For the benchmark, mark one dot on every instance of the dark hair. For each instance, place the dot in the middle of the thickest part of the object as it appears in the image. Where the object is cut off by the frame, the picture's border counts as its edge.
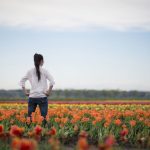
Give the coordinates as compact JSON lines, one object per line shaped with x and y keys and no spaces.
{"x":37,"y":61}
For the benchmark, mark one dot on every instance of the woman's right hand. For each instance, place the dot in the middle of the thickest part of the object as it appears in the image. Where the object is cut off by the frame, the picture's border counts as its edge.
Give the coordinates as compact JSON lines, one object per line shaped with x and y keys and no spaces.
{"x":47,"y":93}
{"x":27,"y":93}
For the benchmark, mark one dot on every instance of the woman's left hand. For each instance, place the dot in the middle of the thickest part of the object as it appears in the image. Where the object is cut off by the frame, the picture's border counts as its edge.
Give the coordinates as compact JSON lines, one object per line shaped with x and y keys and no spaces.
{"x":47,"y":93}
{"x":27,"y":94}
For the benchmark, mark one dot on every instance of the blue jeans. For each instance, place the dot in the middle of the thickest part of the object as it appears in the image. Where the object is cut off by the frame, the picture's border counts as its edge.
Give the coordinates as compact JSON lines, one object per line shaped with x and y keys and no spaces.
{"x":43,"y":105}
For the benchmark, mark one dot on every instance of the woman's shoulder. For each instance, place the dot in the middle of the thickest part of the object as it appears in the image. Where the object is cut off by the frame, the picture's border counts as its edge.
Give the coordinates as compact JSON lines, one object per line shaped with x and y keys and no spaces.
{"x":44,"y":70}
{"x":30,"y":70}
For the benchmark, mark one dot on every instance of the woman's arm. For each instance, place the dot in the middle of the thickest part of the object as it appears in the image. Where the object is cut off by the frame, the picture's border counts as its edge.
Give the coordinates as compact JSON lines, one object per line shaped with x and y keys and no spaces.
{"x":22,"y":83}
{"x":25,"y":91}
{"x":47,"y":93}
{"x":52,"y":82}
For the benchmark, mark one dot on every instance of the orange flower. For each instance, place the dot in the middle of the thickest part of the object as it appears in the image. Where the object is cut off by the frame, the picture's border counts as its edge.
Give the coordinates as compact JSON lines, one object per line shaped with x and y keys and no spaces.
{"x":11,"y":121}
{"x":94,"y":122}
{"x":141,"y":119}
{"x":31,"y":134}
{"x":57,"y":119}
{"x":15,"y":143}
{"x":40,"y":119}
{"x":85,"y":119}
{"x":118,"y":122}
{"x":132,"y":123}
{"x":76,"y":128}
{"x":82,"y":144}
{"x":54,"y":143}
{"x":28,"y":120}
{"x":106,"y":124}
{"x":124,"y":126}
{"x":16,"y":131}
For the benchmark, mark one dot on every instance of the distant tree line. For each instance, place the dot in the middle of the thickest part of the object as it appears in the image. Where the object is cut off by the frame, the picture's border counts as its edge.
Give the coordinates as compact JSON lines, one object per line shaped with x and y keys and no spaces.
{"x":81,"y":94}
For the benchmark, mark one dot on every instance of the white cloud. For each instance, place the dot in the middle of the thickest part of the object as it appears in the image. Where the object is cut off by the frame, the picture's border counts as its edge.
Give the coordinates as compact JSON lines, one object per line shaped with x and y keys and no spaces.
{"x":76,"y":14}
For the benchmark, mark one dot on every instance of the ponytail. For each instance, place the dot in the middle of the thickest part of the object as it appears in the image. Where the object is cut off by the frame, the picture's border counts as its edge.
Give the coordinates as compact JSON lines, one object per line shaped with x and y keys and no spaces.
{"x":37,"y":61}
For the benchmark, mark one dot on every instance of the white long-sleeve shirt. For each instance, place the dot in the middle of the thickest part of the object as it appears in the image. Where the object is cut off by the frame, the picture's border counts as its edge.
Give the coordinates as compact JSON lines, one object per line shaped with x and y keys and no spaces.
{"x":37,"y":87}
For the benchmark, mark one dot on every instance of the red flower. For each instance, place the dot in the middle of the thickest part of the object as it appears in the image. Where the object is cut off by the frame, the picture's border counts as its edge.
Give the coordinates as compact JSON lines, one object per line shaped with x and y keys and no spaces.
{"x":109,"y":140}
{"x":1,"y":129}
{"x":83,"y":134}
{"x":23,"y":144}
{"x":27,"y":144}
{"x":52,"y":131}
{"x":38,"y":130}
{"x":16,"y":131}
{"x":124,"y":132}
{"x":103,"y":147}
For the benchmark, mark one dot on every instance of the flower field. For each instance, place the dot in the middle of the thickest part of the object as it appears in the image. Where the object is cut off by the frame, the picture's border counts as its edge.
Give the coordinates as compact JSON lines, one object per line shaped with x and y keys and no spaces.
{"x":75,"y":126}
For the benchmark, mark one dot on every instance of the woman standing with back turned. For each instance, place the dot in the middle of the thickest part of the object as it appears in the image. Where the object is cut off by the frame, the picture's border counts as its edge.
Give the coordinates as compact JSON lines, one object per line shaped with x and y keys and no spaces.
{"x":39,"y":92}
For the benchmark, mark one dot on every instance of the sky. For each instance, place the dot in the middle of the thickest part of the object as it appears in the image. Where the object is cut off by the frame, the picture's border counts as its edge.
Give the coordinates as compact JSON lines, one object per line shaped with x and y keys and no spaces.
{"x":86,"y":44}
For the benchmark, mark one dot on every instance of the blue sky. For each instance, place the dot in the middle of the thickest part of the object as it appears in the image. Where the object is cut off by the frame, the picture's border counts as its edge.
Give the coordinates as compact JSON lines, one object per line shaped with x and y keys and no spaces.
{"x":78,"y":55}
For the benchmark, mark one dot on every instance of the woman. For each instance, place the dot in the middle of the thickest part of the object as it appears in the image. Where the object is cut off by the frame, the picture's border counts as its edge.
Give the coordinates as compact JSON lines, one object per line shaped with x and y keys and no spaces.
{"x":37,"y":77}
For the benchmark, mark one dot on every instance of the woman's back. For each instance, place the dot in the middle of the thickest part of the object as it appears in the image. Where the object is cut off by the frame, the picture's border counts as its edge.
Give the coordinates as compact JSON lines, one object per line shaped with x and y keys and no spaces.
{"x":38,"y":77}
{"x":38,"y":88}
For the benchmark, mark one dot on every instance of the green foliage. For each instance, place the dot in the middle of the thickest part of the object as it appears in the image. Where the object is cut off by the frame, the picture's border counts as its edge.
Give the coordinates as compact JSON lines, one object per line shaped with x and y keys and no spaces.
{"x":84,"y":94}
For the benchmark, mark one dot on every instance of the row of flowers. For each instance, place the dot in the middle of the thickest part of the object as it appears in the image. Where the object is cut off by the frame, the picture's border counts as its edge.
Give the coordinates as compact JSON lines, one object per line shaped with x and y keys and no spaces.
{"x":100,"y":125}
{"x":19,"y":142}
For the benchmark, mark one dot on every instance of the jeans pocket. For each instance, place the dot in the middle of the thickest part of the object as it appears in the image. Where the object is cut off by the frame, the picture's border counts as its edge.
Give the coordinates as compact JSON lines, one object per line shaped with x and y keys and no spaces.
{"x":44,"y":100}
{"x":30,"y":101}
